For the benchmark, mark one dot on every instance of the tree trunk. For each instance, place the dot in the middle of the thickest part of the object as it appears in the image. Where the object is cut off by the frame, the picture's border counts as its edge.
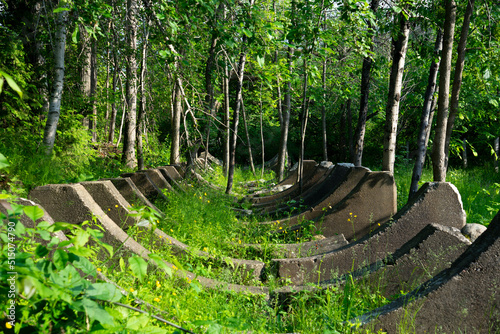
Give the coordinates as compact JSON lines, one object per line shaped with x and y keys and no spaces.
{"x":128,"y":158}
{"x":49,"y":134}
{"x":303,"y":128}
{"x":282,"y":154}
{"x":175,"y":126}
{"x":236,"y":117}
{"x":497,"y":151}
{"x":86,"y":75}
{"x":249,"y":144}
{"x":227,"y":117}
{"x":323,"y":114}
{"x":464,"y":153}
{"x":93,"y":90}
{"x":457,"y":79}
{"x":262,"y":134}
{"x":438,"y":149}
{"x":395,"y":85}
{"x":112,"y":122}
{"x":142,"y":104}
{"x":350,"y":138}
{"x":365,"y":92}
{"x":425,"y":119}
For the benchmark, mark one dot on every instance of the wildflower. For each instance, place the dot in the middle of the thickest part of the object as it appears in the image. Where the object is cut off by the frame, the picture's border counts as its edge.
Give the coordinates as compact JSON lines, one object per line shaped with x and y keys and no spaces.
{"x":158,"y":284}
{"x":200,"y":197}
{"x":205,"y":194}
{"x":175,"y":267}
{"x":109,"y":209}
{"x":378,"y":224}
{"x":350,"y":213}
{"x":8,"y":325}
{"x":174,"y":293}
{"x":116,"y":205}
{"x":239,"y":241}
{"x":348,"y":220}
{"x":99,"y":269}
{"x":161,"y":237}
{"x":171,"y":230}
{"x":132,"y":290}
{"x":208,"y":201}
{"x":281,"y":228}
{"x":205,"y":249}
{"x":156,"y":299}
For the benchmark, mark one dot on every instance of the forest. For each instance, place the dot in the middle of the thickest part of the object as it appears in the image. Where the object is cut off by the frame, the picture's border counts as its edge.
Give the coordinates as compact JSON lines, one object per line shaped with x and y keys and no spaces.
{"x":91,"y":89}
{"x":142,"y":83}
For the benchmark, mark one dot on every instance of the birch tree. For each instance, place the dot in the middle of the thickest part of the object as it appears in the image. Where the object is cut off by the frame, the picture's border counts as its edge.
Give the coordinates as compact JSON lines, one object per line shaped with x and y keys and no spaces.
{"x":49,"y":134}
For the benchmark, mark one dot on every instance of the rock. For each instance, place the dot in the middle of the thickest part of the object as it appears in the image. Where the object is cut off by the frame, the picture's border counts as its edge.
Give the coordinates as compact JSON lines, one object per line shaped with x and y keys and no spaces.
{"x":473,"y":231}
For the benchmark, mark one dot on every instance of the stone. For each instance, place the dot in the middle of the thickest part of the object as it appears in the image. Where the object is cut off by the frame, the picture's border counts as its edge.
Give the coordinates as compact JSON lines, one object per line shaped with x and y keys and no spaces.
{"x":473,"y":231}
{"x":465,"y":298}
{"x":435,"y":202}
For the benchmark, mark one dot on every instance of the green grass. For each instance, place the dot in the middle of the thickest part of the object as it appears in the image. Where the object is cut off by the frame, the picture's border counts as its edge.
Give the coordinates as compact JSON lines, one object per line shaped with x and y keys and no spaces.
{"x":478,"y":187}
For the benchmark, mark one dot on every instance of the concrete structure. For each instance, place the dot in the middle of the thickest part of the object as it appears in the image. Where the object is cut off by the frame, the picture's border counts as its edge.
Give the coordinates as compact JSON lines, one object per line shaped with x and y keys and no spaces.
{"x":434,"y":203}
{"x":464,"y":298}
{"x":145,"y":185}
{"x":126,"y":187}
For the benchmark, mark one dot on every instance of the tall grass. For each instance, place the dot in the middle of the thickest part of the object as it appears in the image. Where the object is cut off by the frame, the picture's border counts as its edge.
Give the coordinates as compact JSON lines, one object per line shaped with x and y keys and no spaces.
{"x":479,"y":188}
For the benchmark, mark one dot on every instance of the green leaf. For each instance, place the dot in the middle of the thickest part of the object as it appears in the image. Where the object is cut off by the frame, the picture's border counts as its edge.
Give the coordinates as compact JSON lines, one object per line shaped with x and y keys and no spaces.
{"x":60,"y":9}
{"x":3,"y":160}
{"x":82,"y":263}
{"x":41,"y":251}
{"x":104,"y":291}
{"x":95,"y":312}
{"x":139,"y":267}
{"x":11,"y":83}
{"x":81,"y":238}
{"x":138,"y":322}
{"x":60,"y":259}
{"x":74,"y":36}
{"x":261,"y":61}
{"x":159,"y":261}
{"x":33,"y":212}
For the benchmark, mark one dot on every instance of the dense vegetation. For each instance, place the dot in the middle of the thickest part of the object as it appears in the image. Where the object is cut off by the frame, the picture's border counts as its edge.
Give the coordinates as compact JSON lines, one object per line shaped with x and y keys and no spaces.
{"x":90,"y":89}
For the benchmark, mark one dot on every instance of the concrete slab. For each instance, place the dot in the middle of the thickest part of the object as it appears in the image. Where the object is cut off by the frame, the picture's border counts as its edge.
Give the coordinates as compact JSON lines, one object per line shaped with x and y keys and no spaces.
{"x":111,"y":202}
{"x":132,"y":194}
{"x":293,"y":251}
{"x":372,"y":202}
{"x":310,"y":167}
{"x":73,"y":204}
{"x":172,"y":172}
{"x":5,"y":207}
{"x":157,"y":177}
{"x":167,"y":175}
{"x":338,"y":186}
{"x":145,"y":185}
{"x":434,"y":203}
{"x":430,"y":251}
{"x":464,"y":298}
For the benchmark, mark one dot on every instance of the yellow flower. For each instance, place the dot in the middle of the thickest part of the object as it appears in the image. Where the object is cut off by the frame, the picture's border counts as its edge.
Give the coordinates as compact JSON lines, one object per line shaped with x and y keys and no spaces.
{"x":99,"y":269}
{"x":208,"y":201}
{"x":205,"y":194}
{"x":156,"y":299}
{"x":8,"y":325}
{"x":175,"y":267}
{"x":174,"y":293}
{"x":378,"y":224}
{"x":239,"y":241}
{"x":350,"y":213}
{"x":116,"y":205}
{"x":281,"y":228}
{"x":109,"y":209}
{"x":348,"y":220}
{"x":171,"y":230}
{"x":158,"y":284}
{"x":200,"y":197}
{"x":161,"y":237}
{"x":355,"y":216}
{"x":205,"y":249}
{"x":131,"y":289}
